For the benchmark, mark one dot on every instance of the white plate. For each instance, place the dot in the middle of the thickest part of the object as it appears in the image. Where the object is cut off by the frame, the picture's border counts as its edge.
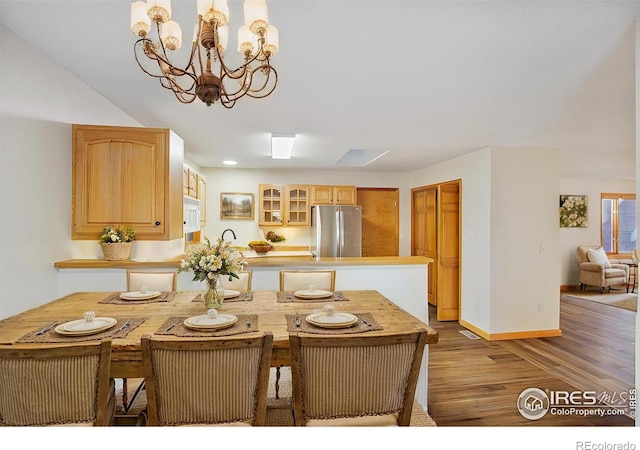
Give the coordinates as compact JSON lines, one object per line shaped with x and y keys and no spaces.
{"x":335,"y":320}
{"x":318,"y":293}
{"x":136,"y":295}
{"x":82,"y":327}
{"x":231,"y":294}
{"x":205,"y":322}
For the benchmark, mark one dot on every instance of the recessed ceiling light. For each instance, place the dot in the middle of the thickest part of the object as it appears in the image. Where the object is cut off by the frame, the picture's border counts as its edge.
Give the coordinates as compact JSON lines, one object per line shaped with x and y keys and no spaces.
{"x":229,"y":162}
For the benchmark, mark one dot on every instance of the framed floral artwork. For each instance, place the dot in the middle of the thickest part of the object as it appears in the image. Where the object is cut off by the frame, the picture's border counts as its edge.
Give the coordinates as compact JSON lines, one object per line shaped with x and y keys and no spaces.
{"x":573,"y":211}
{"x":235,"y":205}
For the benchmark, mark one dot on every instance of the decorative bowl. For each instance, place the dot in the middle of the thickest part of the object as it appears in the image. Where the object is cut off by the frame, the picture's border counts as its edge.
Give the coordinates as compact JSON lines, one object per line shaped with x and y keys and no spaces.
{"x":261,"y":248}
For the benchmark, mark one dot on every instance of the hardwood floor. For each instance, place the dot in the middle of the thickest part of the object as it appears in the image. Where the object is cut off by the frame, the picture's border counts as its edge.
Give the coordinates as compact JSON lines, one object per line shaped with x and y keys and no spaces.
{"x":477,"y":382}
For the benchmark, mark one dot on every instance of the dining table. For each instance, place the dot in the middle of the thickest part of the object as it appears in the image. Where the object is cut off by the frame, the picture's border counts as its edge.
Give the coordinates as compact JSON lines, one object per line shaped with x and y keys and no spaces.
{"x":256,"y":312}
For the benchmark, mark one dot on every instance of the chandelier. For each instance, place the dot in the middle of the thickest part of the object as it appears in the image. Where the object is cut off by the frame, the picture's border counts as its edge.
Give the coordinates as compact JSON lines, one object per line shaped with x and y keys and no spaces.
{"x":257,"y":43}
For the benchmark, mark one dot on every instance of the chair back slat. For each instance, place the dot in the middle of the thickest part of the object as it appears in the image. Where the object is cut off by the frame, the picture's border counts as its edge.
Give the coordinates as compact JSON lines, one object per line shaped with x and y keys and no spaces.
{"x":206,"y":381}
{"x":66,"y":386}
{"x":345,"y":377}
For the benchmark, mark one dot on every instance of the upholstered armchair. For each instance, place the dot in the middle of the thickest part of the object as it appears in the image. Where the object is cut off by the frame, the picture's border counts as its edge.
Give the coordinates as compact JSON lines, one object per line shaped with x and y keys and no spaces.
{"x":597,"y":270}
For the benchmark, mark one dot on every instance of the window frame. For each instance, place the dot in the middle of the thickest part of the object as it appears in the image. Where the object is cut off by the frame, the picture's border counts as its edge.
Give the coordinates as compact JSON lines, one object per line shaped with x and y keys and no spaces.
{"x":615,"y":196}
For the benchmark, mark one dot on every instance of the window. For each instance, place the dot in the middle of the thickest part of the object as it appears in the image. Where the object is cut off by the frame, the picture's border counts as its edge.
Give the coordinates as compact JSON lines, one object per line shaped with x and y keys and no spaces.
{"x":618,"y":224}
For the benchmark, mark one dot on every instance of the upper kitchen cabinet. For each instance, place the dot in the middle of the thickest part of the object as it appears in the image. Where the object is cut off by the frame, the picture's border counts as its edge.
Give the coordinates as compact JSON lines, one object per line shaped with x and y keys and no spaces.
{"x":284,"y":205}
{"x":201,"y":193}
{"x":194,"y":185}
{"x":189,"y":182}
{"x":126,"y":176}
{"x":333,"y":195}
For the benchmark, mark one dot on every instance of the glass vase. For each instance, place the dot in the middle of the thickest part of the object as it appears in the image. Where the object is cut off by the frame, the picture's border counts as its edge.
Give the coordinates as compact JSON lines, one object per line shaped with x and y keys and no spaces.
{"x":214,"y":296}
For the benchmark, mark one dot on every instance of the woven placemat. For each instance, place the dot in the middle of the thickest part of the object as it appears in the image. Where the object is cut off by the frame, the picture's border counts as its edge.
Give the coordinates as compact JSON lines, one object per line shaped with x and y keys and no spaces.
{"x":174,"y":326}
{"x":243,"y":297}
{"x":115,"y":299}
{"x":288,"y":297}
{"x":120,"y":330}
{"x":366,"y":322}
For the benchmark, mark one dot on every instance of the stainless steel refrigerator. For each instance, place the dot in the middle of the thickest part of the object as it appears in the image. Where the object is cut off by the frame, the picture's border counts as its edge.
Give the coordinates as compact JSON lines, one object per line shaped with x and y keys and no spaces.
{"x":336,"y":231}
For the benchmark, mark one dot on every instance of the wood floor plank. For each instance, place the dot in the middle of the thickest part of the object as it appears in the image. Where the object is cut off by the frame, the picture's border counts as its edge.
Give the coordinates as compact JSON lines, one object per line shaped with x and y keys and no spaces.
{"x":477,"y":382}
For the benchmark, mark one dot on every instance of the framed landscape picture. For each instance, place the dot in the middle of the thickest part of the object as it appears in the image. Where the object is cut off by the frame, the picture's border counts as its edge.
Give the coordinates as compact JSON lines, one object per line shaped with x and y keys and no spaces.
{"x":573,"y":211}
{"x":235,"y":205}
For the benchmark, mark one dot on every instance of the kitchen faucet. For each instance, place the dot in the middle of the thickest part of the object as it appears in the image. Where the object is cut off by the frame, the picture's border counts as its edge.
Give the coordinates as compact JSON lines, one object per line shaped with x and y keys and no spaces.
{"x":228,"y":229}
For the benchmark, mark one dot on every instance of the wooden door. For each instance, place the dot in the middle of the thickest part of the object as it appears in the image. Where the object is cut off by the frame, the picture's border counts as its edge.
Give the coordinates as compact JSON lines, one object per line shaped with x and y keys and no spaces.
{"x":448,"y":268}
{"x":424,"y":233}
{"x":435,"y":233}
{"x":380,"y":221}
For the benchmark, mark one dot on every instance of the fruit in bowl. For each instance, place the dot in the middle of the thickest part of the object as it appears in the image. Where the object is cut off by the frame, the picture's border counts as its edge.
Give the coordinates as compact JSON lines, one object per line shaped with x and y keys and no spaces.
{"x":260,"y":246}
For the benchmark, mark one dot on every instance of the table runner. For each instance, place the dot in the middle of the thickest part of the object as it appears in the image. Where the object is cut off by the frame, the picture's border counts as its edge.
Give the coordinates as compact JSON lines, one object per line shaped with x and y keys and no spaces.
{"x":297,"y":323}
{"x":243,"y":297}
{"x":174,"y":326}
{"x":120,"y":330}
{"x":114,"y":298}
{"x":289,"y":297}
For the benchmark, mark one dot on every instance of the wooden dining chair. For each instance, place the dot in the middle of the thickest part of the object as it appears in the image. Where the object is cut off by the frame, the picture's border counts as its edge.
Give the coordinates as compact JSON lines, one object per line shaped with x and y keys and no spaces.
{"x":154,"y":281}
{"x":295,"y":280}
{"x":207,"y":381}
{"x":57,"y":385}
{"x":349,"y":380}
{"x":241,"y":284}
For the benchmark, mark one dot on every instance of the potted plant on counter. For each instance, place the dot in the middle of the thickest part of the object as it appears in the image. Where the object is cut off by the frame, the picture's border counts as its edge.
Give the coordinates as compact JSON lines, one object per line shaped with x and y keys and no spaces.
{"x":274,"y":237}
{"x":116,"y":242}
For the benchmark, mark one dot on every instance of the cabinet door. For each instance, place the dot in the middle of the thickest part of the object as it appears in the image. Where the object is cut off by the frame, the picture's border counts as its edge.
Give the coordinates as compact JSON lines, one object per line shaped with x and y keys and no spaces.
{"x":344,"y":195}
{"x":298,"y":205}
{"x":321,"y":195}
{"x":121,"y":176}
{"x":201,"y":193}
{"x":271,"y":204}
{"x":185,"y":180}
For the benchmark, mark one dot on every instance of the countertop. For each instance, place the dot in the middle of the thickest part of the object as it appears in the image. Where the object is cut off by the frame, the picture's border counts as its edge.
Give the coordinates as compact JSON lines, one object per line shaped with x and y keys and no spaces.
{"x":274,"y":258}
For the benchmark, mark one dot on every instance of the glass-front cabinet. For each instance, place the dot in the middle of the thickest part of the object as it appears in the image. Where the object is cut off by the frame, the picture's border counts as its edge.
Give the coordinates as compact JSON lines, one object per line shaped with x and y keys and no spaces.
{"x":284,"y":205}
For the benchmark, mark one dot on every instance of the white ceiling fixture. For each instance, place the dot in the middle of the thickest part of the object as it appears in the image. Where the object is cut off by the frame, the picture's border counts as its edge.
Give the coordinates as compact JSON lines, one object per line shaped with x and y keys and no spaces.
{"x":282,"y":145}
{"x":257,"y":43}
{"x":229,"y":162}
{"x":359,"y":157}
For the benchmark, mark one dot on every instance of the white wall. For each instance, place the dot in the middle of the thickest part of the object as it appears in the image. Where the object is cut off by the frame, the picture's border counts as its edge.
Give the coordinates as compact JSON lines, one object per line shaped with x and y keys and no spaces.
{"x":35,"y":174}
{"x":571,"y":238}
{"x":524,"y":240}
{"x":509,"y":208}
{"x":247,"y":181}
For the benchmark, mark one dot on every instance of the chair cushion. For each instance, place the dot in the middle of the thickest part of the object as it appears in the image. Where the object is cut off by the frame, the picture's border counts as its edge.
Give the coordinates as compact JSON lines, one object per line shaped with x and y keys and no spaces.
{"x":614,"y":273}
{"x":386,"y":420}
{"x":598,"y":256}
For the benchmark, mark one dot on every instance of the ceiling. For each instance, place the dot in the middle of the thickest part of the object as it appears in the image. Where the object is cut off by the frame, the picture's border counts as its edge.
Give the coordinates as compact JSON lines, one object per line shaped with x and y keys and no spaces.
{"x":425,"y":81}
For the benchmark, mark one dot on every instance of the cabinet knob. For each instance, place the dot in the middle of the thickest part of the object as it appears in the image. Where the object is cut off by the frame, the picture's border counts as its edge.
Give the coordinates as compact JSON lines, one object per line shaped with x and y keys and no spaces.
{"x":157,"y":223}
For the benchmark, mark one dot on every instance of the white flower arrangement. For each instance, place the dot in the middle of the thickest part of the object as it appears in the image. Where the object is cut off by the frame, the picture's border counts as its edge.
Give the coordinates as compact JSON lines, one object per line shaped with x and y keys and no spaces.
{"x":207,"y":261}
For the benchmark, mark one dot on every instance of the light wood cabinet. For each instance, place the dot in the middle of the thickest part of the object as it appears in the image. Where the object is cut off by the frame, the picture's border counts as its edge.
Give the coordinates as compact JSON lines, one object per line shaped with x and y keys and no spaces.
{"x":189,"y":182}
{"x":284,"y":205}
{"x":333,"y":195}
{"x":201,"y":194}
{"x":126,"y":176}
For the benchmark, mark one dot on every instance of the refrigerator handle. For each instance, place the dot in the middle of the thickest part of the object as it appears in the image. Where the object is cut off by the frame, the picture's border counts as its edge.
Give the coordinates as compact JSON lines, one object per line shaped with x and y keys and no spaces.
{"x":338,"y":236}
{"x":341,"y":232}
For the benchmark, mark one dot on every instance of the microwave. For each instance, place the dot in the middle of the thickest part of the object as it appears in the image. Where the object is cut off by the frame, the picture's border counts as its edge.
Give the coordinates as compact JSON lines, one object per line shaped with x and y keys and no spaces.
{"x":191,"y":215}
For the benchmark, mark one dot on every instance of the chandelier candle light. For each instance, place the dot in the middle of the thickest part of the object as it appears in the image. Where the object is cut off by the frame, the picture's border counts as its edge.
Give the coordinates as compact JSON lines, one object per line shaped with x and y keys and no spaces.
{"x":257,"y":43}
